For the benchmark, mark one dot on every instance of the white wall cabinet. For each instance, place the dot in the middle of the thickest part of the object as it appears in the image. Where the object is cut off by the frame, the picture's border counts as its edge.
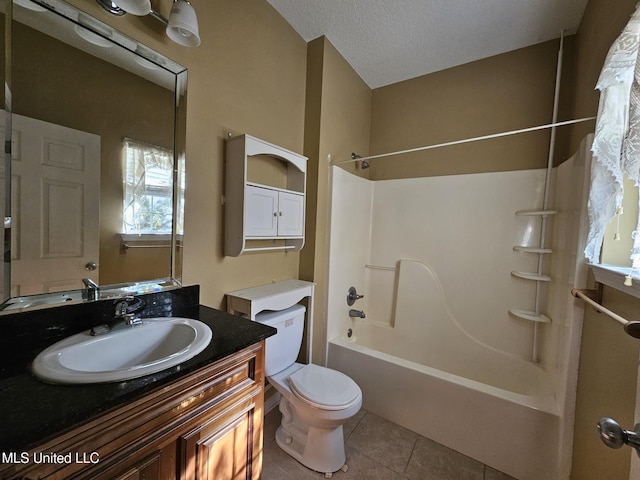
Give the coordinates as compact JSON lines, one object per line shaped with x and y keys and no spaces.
{"x":259,"y":212}
{"x":273,"y":213}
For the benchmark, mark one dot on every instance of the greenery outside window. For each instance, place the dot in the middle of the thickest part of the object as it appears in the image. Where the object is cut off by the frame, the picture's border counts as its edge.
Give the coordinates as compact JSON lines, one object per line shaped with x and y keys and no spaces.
{"x":148,"y":188}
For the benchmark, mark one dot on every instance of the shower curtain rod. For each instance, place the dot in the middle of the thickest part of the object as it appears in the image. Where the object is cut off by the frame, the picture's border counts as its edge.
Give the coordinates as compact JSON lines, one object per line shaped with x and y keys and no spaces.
{"x":468,"y":140}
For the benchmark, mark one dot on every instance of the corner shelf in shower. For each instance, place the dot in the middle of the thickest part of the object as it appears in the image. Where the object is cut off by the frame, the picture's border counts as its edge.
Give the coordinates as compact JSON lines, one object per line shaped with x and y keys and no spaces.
{"x":530,"y":316}
{"x":539,"y":251}
{"x":536,"y":213}
{"x":532,"y":276}
{"x":538,"y":277}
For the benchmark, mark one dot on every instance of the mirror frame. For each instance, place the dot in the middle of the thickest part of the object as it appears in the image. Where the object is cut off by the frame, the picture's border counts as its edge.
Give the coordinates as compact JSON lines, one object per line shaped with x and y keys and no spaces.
{"x":68,"y":12}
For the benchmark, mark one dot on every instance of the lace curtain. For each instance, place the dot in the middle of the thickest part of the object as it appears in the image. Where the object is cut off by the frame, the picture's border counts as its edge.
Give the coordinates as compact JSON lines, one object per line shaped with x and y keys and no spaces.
{"x":616,"y":144}
{"x":148,"y":188}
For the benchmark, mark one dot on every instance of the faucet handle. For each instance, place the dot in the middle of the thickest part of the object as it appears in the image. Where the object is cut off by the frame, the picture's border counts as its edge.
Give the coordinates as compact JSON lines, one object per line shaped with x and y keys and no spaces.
{"x":352,"y":296}
{"x":128,"y":305}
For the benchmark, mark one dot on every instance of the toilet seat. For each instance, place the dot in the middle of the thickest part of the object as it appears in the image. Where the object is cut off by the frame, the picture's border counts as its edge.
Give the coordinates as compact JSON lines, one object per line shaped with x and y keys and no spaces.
{"x":324,"y":388}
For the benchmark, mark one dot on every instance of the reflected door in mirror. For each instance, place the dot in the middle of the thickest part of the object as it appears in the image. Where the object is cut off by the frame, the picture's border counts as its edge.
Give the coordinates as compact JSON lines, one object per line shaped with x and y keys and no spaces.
{"x":55,"y":192}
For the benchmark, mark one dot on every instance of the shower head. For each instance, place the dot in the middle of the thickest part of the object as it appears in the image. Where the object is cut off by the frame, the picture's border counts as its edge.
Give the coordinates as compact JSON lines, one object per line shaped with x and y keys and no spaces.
{"x":363,"y":163}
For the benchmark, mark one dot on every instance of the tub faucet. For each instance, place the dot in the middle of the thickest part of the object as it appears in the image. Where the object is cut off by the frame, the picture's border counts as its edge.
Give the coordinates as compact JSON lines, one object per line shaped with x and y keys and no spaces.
{"x":356,"y":313}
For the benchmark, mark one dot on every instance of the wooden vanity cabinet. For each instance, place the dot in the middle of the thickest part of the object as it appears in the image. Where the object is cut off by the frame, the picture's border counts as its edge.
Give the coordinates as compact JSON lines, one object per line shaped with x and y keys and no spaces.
{"x":206,"y":425}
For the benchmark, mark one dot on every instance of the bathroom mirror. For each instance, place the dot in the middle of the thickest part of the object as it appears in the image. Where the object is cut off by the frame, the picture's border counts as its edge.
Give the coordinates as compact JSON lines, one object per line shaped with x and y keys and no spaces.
{"x":93,"y":184}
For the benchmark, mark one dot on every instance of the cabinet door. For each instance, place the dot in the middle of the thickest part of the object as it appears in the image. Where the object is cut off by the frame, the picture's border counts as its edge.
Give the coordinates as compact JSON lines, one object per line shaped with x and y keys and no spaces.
{"x":226,"y":448}
{"x":290,"y":215}
{"x":147,"y":470}
{"x":261,"y":212}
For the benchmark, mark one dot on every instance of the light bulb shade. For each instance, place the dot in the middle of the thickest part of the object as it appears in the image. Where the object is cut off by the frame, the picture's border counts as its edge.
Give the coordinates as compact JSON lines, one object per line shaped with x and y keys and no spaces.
{"x":183,"y":24}
{"x":134,"y":7}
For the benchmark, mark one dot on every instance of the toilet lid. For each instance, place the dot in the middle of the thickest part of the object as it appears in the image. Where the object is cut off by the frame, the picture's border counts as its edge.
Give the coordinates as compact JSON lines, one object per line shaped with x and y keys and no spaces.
{"x":323,"y":387}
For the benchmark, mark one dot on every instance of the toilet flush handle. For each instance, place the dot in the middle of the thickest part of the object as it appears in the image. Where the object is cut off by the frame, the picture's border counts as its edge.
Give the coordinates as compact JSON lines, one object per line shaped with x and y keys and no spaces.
{"x":352,"y":296}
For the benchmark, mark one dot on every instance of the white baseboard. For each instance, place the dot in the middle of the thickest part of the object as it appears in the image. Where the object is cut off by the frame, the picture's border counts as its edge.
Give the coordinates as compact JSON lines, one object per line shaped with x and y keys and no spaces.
{"x":272,"y":398}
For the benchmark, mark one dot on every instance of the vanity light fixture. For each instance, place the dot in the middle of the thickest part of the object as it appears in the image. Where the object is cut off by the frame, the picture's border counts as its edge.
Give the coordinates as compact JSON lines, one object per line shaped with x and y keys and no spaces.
{"x":182,"y":24}
{"x":134,"y":7}
{"x":111,"y":7}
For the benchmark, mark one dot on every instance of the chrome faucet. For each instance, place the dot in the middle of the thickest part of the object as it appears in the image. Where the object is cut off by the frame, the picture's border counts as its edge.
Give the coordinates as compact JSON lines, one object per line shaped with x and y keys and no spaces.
{"x":126,"y":310}
{"x":91,"y":289}
{"x":356,"y":313}
{"x":124,"y":317}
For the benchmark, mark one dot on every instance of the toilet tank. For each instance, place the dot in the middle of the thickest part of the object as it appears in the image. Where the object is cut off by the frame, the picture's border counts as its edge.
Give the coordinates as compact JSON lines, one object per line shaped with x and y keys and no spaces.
{"x":282,"y":348}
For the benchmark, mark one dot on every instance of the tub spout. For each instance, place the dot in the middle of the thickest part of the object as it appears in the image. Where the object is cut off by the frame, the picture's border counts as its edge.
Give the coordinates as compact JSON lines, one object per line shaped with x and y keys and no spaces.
{"x":356,"y":313}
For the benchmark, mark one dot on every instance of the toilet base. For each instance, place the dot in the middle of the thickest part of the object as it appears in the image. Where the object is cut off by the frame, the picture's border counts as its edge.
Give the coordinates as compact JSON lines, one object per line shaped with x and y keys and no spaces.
{"x":320,"y":449}
{"x":321,"y":452}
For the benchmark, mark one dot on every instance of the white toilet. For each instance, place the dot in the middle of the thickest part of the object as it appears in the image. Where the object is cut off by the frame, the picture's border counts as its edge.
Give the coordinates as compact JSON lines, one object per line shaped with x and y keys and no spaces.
{"x":315,"y":402}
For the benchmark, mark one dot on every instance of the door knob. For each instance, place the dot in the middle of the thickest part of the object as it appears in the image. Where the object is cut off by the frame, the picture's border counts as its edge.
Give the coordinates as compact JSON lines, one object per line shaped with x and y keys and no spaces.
{"x":614,"y":436}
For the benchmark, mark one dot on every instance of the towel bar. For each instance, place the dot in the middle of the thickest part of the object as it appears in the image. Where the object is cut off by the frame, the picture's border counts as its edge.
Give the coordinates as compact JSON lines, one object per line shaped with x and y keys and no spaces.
{"x":594,"y":297}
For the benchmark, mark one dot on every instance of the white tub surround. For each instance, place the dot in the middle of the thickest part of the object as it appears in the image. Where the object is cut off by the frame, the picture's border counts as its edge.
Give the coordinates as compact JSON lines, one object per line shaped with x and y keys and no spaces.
{"x":438,"y":351}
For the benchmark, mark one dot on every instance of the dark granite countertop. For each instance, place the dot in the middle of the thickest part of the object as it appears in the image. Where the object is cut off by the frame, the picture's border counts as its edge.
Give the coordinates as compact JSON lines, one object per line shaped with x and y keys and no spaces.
{"x":33,"y":411}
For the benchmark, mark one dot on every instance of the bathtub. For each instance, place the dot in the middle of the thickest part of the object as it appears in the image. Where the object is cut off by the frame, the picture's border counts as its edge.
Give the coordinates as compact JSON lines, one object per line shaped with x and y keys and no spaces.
{"x":438,"y":353}
{"x":422,"y":369}
{"x":513,"y":429}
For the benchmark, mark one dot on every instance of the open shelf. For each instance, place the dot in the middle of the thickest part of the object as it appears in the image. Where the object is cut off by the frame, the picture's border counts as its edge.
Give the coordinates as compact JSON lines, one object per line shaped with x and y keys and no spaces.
{"x":539,"y":251}
{"x":532,"y":276}
{"x":536,"y":213}
{"x":530,"y":316}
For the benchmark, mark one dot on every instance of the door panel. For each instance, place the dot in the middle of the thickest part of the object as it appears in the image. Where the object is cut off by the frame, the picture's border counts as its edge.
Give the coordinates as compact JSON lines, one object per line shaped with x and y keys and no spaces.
{"x":56,"y":185}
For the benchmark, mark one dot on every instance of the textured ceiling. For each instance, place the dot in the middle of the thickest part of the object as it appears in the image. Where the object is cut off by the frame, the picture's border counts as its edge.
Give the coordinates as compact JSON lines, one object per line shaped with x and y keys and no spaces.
{"x":387,"y":41}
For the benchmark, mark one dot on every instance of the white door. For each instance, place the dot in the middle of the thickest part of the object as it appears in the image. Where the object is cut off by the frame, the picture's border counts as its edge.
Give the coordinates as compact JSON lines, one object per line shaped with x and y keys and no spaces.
{"x":55,"y":206}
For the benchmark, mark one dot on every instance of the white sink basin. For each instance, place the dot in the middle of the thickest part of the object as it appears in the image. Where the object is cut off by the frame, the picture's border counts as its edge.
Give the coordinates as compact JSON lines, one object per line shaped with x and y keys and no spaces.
{"x":157,"y":344}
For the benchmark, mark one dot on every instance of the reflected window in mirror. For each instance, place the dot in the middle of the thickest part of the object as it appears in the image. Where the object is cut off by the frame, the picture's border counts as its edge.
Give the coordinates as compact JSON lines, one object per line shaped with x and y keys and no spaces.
{"x":148,"y":188}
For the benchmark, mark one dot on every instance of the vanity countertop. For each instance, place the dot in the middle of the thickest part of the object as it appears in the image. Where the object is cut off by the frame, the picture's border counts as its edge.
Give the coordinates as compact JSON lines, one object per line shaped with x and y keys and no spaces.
{"x":33,"y":411}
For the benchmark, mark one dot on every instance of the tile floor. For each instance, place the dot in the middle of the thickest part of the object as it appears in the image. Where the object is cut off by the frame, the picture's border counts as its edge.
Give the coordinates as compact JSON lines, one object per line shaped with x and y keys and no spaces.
{"x":378,"y":450}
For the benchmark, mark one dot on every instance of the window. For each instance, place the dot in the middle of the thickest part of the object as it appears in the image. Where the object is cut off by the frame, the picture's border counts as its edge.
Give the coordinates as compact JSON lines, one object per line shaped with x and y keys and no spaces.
{"x":148,"y":188}
{"x":619,"y":236}
{"x":615,"y":168}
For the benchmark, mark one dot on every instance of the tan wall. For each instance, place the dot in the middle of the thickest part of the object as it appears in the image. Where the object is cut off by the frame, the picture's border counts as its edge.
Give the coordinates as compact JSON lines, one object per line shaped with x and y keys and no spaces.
{"x":501,"y":93}
{"x":248,"y":76}
{"x":338,"y":121}
{"x":606,"y":388}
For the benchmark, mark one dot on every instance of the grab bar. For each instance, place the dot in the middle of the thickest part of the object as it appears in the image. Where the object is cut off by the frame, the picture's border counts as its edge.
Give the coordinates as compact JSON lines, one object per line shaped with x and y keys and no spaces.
{"x":590,"y":297}
{"x":124,"y":246}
